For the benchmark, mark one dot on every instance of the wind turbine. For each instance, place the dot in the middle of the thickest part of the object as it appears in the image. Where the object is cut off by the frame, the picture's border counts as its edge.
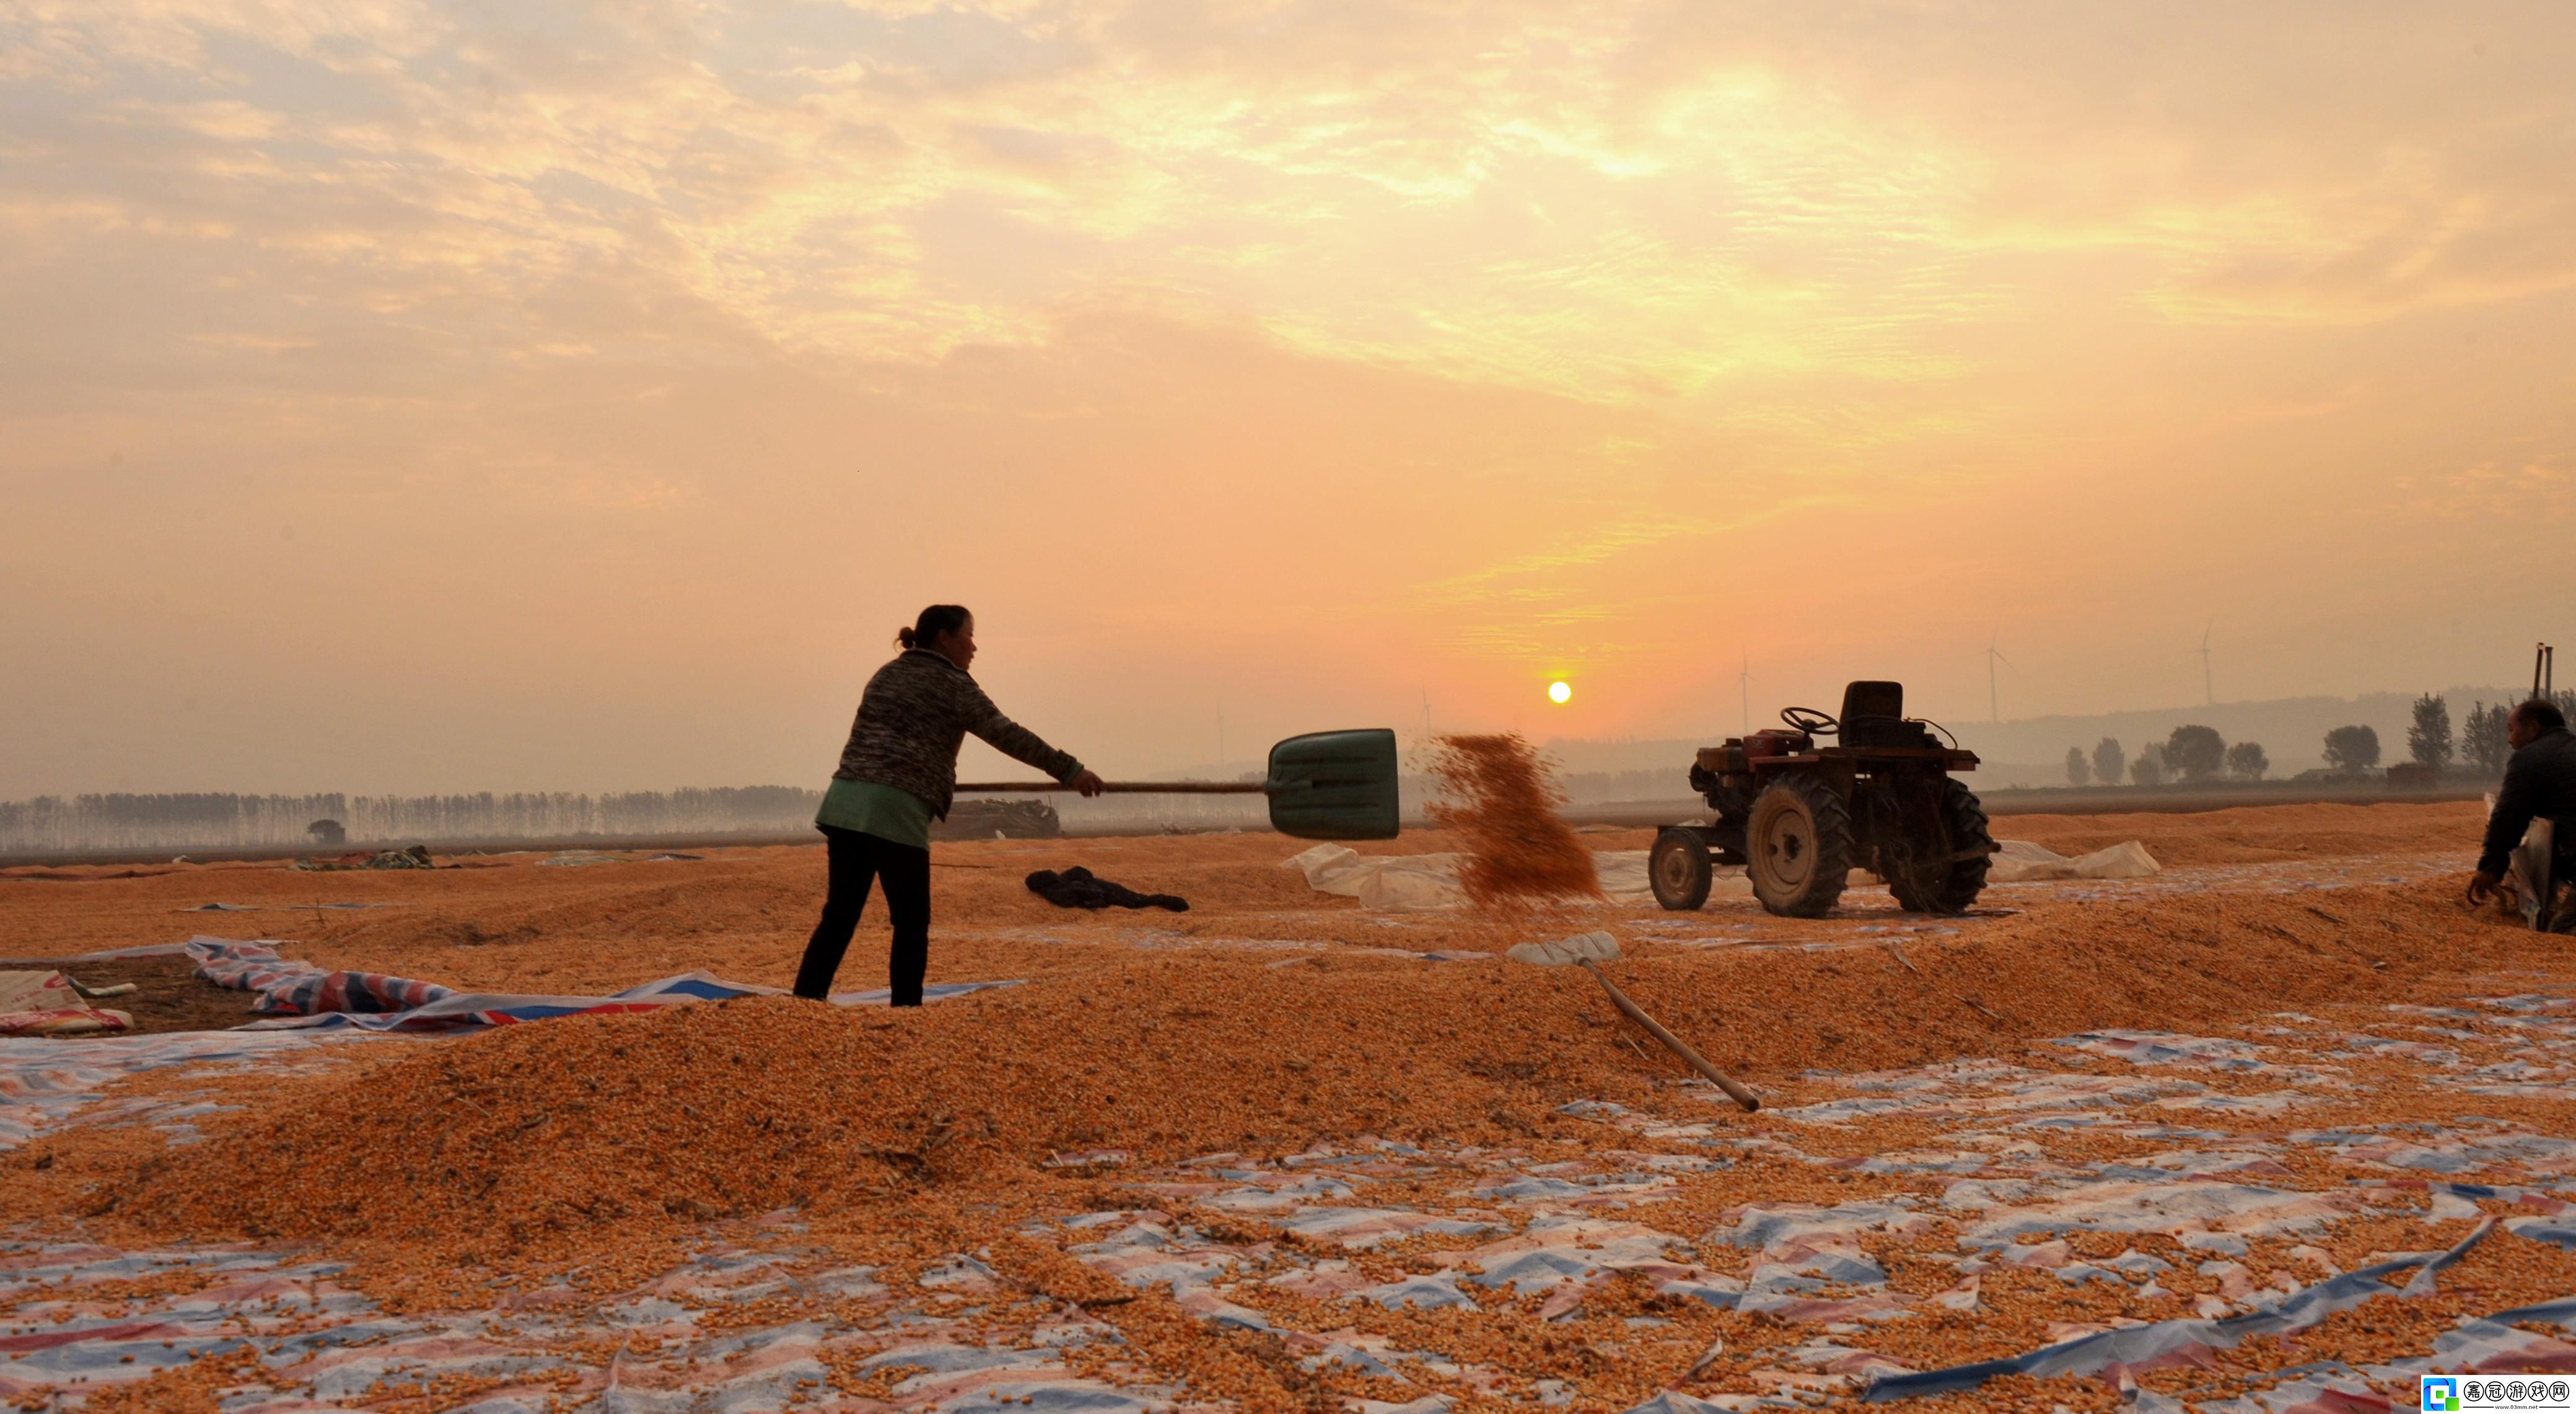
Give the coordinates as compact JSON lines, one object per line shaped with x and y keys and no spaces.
{"x":1744,"y":685}
{"x":1994,"y":655}
{"x":2207,"y":690}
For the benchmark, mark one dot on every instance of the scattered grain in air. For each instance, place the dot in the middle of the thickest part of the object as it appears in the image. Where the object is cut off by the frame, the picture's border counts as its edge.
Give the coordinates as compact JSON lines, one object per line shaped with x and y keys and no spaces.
{"x":1498,"y":799}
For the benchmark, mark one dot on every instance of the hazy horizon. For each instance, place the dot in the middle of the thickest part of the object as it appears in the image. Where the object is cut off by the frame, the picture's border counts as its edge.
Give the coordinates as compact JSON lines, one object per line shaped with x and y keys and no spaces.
{"x":405,"y":399}
{"x":2388,"y":713}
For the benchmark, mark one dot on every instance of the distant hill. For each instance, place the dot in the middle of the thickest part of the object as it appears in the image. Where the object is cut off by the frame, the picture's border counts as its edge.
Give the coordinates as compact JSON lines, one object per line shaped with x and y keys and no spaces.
{"x":2032,"y":751}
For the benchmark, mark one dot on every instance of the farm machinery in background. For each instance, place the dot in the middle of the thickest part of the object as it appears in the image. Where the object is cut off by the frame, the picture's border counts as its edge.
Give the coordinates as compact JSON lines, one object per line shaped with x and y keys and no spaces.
{"x":1800,"y":816}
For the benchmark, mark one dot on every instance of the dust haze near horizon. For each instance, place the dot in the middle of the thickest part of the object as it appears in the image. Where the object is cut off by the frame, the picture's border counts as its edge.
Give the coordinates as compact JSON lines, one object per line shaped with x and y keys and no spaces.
{"x":405,"y":397}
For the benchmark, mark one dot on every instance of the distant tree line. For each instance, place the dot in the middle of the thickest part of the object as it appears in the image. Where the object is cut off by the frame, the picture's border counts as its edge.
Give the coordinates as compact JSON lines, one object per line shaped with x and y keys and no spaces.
{"x":2481,"y":745}
{"x":2199,"y":754}
{"x":2189,"y":753}
{"x":227,"y":821}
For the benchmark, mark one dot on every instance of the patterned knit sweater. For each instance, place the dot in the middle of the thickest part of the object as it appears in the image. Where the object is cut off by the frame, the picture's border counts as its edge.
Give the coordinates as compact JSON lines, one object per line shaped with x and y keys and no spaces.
{"x":916,"y":714}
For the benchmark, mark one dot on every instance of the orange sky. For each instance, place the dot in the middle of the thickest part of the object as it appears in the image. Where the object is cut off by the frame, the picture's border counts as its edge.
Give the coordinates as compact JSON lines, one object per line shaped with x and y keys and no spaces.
{"x":416,"y":397}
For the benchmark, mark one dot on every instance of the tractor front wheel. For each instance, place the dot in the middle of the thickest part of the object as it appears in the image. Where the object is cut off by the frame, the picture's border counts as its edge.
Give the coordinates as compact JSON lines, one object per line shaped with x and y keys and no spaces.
{"x":1678,"y":868}
{"x":1798,"y":846}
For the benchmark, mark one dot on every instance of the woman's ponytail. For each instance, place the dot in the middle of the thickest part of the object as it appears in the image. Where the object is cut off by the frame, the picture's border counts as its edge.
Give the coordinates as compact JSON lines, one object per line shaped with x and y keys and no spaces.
{"x":934,"y":621}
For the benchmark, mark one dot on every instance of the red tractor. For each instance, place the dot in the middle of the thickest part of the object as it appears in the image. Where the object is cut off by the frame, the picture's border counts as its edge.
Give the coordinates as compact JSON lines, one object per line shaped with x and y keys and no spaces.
{"x":1799,"y":816}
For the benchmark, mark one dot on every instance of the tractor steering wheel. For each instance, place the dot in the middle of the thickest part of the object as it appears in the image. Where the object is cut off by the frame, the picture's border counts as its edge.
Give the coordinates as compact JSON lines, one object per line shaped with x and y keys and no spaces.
{"x":1810,"y":721}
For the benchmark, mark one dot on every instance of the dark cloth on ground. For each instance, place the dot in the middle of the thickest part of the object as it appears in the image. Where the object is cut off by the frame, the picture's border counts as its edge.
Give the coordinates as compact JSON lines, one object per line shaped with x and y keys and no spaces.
{"x":914,"y":715}
{"x":1078,"y":887}
{"x":856,"y":860}
{"x":2539,"y":784}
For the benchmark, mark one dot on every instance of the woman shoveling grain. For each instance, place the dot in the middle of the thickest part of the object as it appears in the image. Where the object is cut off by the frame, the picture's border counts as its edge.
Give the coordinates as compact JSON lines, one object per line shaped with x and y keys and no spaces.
{"x":897,"y":775}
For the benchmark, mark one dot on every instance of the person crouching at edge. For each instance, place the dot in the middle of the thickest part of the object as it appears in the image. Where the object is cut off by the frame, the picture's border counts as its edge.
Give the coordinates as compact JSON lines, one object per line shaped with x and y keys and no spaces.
{"x":896,"y":776}
{"x":2539,"y":784}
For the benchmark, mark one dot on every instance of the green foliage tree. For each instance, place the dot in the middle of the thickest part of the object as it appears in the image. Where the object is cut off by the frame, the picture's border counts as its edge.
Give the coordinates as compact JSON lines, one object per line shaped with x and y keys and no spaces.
{"x":2078,"y":770}
{"x":2195,"y":753}
{"x":2352,"y":748}
{"x":2482,"y":739}
{"x":2110,"y":763}
{"x":2428,"y":738}
{"x":2149,"y":768}
{"x":2246,"y":761}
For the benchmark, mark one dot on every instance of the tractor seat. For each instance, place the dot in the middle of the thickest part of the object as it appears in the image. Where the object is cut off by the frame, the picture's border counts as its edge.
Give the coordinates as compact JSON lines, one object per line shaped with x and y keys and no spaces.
{"x":1874,"y":716}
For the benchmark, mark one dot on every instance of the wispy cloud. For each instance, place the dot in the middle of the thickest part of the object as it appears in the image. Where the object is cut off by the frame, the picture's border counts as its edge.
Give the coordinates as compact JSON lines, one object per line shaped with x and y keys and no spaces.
{"x":1487,"y":334}
{"x":1617,"y":205}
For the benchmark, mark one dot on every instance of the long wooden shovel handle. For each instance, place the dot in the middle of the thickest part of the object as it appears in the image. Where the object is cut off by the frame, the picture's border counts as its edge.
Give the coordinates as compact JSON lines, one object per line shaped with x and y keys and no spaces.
{"x":1119,"y":788}
{"x":1673,"y":1043}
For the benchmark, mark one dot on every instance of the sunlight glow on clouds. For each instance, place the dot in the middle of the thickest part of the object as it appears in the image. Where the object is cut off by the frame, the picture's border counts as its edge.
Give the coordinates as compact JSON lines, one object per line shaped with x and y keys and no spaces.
{"x":1482,"y":336}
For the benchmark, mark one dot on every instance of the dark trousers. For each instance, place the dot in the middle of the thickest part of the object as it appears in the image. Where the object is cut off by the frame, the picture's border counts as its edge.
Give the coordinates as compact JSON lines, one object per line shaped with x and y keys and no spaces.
{"x":856,"y":859}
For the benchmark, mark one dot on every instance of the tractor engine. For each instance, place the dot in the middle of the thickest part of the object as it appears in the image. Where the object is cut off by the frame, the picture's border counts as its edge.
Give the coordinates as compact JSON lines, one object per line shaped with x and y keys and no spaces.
{"x":1724,"y":777}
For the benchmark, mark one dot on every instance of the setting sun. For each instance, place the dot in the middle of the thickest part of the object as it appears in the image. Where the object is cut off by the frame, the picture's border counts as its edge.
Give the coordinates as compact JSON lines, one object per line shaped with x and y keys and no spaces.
{"x":1557,"y":691}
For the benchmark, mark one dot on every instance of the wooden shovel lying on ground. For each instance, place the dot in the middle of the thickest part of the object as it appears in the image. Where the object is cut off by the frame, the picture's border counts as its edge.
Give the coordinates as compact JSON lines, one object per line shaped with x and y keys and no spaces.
{"x":1586,"y":950}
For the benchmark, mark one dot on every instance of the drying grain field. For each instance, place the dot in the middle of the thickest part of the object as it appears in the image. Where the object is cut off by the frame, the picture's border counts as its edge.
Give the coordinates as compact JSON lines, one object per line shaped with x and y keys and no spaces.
{"x":2278,"y":1126}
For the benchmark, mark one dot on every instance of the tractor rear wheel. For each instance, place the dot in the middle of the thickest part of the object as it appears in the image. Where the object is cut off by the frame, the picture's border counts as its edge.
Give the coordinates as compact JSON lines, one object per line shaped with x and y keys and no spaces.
{"x":1798,"y":846}
{"x":1958,"y":874}
{"x":1678,"y":868}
